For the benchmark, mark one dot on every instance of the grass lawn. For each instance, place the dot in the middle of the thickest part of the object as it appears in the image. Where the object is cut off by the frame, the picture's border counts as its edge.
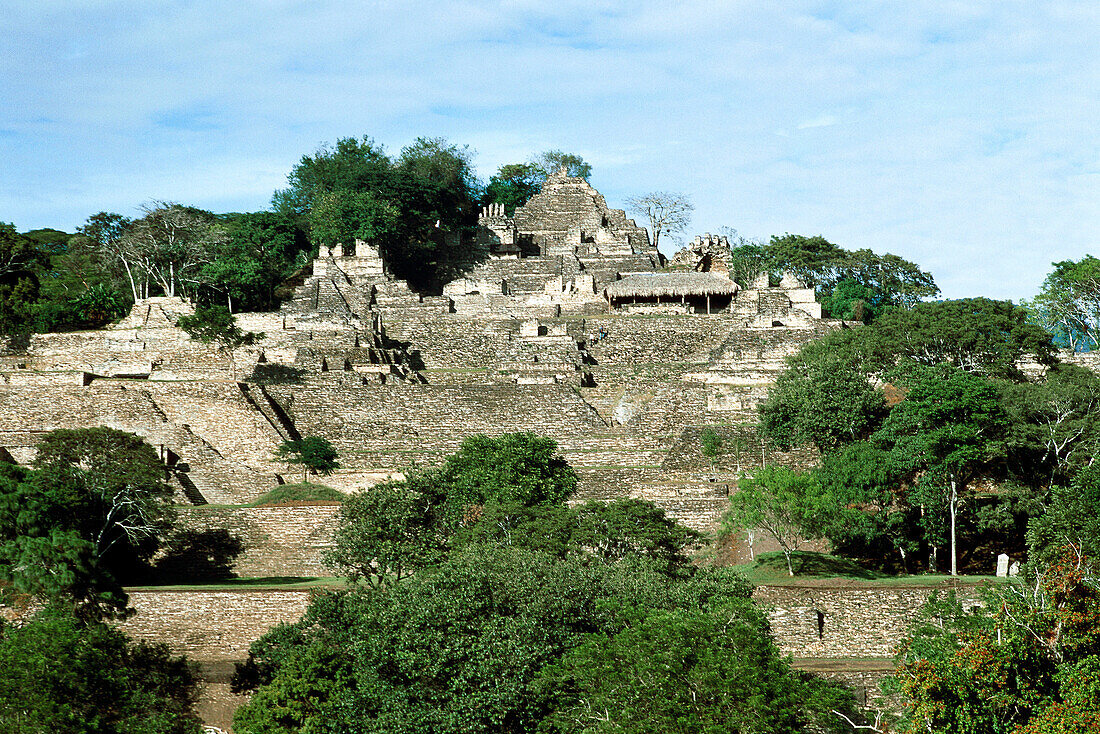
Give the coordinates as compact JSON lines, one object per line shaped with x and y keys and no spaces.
{"x":266,"y":583}
{"x":770,"y":569}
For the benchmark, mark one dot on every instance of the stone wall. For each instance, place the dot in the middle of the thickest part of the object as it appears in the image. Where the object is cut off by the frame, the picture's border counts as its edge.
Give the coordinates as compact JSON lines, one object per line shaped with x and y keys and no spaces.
{"x":861,"y":621}
{"x":221,"y":442}
{"x":210,"y":626}
{"x":851,"y":621}
{"x":278,"y":540}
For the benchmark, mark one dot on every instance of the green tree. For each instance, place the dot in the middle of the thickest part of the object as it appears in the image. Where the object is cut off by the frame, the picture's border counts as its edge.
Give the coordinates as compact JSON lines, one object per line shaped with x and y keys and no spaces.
{"x":1068,"y":303}
{"x":873,"y":518}
{"x":974,"y":334}
{"x":58,"y":674}
{"x":516,"y":468}
{"x":820,"y":399}
{"x":349,"y":165}
{"x":552,"y":161}
{"x":1069,"y":520}
{"x":358,"y":191}
{"x":859,"y":285}
{"x":1024,"y":662}
{"x":216,"y":325}
{"x":260,"y":251}
{"x":886,"y":282}
{"x":20,"y":258}
{"x":748,"y":260}
{"x":512,"y":185}
{"x":791,"y":507}
{"x":632,"y":528}
{"x":341,"y":217}
{"x":945,"y":433}
{"x":313,"y":453}
{"x":1055,"y":423}
{"x":90,"y":515}
{"x":458,"y":649}
{"x":389,"y":530}
{"x":685,"y":671}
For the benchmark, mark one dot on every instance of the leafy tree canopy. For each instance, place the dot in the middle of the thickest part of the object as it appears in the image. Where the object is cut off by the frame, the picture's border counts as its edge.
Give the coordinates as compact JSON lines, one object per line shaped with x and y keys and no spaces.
{"x":515,"y":183}
{"x":822,"y":400}
{"x":1055,"y":423}
{"x":259,"y":252}
{"x":59,"y":674}
{"x":88,"y":517}
{"x":519,"y":468}
{"x":1068,"y":303}
{"x":463,"y":648}
{"x":1069,"y":520}
{"x":314,"y":453}
{"x":791,"y":507}
{"x":215,"y":325}
{"x":512,"y":185}
{"x":857,"y":285}
{"x":1025,"y":662}
{"x":415,"y":208}
{"x":20,"y":258}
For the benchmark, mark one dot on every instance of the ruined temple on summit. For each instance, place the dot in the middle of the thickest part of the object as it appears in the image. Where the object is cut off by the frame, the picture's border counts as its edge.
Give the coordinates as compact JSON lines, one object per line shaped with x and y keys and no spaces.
{"x":572,"y":328}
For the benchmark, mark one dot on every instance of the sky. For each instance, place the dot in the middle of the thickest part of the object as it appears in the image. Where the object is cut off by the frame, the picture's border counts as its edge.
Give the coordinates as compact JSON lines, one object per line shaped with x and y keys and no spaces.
{"x":959,"y":135}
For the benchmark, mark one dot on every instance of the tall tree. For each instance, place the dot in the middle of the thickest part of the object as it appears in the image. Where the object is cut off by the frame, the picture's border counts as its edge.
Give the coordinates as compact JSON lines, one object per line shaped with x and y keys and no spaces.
{"x":512,"y":185}
{"x":944,"y":434}
{"x":415,"y":208}
{"x":93,"y":510}
{"x":166,"y":248}
{"x":260,"y":251}
{"x":552,"y":161}
{"x":667,"y":212}
{"x":822,"y":400}
{"x":813,"y":260}
{"x":389,"y":530}
{"x":1055,"y":423}
{"x":1026,"y":661}
{"x":350,"y":164}
{"x":20,"y":257}
{"x":790,"y":507}
{"x":1068,"y":303}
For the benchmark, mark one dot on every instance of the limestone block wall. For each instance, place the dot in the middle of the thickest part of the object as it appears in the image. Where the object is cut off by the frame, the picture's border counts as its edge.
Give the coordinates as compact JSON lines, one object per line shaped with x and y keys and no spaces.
{"x":859,"y":621}
{"x":136,"y":406}
{"x":221,"y":414}
{"x":662,"y":339}
{"x":278,"y":540}
{"x":210,"y":626}
{"x":386,"y":425}
{"x":450,"y":342}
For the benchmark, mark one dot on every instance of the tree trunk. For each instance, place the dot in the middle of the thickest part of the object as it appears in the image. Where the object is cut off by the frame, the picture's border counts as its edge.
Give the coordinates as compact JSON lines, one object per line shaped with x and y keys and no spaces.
{"x":790,"y":567}
{"x":953,"y":509}
{"x":130,"y":275}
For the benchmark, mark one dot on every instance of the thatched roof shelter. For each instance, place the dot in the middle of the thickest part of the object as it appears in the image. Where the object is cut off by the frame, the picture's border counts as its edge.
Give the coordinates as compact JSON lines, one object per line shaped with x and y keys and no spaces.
{"x":671,"y":285}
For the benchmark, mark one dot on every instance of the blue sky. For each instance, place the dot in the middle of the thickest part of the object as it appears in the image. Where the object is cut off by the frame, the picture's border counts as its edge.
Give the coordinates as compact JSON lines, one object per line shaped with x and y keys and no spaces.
{"x":960,"y":135}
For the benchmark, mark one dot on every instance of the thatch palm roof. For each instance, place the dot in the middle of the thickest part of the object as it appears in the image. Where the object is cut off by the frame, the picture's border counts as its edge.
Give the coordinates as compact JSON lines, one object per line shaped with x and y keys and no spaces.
{"x":656,"y":285}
